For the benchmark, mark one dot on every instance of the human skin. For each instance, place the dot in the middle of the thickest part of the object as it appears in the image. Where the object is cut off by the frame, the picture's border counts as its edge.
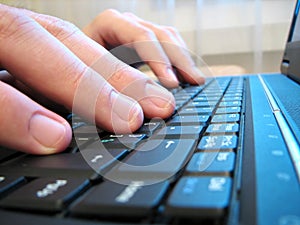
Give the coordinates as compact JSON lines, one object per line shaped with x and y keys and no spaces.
{"x":50,"y":57}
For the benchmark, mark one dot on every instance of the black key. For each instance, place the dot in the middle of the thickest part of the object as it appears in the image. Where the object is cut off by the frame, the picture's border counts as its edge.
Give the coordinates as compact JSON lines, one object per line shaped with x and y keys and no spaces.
{"x":79,"y":143}
{"x":122,"y":140}
{"x":180,"y":132}
{"x":109,"y":198}
{"x":46,"y":194}
{"x":179,"y":104}
{"x":230,"y":104}
{"x":192,"y":89}
{"x":188,"y":120}
{"x":9,"y":217}
{"x":52,"y":165}
{"x":199,"y":197}
{"x":87,"y":131}
{"x":156,"y":159}
{"x":218,"y":142}
{"x":93,"y":158}
{"x":224,"y":110}
{"x":236,"y":98}
{"x":223,"y":128}
{"x":6,"y":154}
{"x":207,"y":99}
{"x":233,"y":94}
{"x":201,"y":104}
{"x":100,"y":158}
{"x":221,"y":163}
{"x":9,"y":182}
{"x":182,"y":98}
{"x":76,"y":125}
{"x":149,"y":128}
{"x":195,"y":111}
{"x":225,"y":118}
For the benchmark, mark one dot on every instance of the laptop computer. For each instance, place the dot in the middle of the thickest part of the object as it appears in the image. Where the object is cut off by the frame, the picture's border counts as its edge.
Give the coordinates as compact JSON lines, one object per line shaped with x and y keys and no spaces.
{"x":228,"y":155}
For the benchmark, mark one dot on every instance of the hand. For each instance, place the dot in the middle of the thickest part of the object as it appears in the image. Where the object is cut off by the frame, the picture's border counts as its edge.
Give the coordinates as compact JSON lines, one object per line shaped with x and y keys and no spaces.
{"x":52,"y":57}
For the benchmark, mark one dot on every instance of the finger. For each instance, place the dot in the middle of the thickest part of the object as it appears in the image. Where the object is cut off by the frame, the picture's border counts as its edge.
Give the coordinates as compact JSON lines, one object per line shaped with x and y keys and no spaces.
{"x":33,"y":129}
{"x":139,"y":37}
{"x":57,"y":73}
{"x":152,"y":42}
{"x":151,"y":25}
{"x":155,"y":100}
{"x":175,"y":48}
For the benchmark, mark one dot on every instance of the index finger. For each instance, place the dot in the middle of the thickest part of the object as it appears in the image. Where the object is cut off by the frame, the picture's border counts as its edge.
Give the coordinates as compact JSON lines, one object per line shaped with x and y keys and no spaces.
{"x":160,"y":47}
{"x":39,"y":60}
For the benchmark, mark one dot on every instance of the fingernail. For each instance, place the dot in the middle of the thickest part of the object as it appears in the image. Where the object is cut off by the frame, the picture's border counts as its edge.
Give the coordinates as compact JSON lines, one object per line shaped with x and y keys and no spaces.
{"x":199,"y":76}
{"x":48,"y":132}
{"x":159,"y":95}
{"x":172,"y":79}
{"x":124,"y":107}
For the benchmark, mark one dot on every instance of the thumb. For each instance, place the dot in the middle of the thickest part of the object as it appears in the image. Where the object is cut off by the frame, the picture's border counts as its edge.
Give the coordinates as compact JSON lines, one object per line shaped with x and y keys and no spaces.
{"x":30,"y":127}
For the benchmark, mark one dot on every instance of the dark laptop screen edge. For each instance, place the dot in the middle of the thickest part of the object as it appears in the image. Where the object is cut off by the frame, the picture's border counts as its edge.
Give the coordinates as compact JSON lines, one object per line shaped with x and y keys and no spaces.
{"x":290,"y":64}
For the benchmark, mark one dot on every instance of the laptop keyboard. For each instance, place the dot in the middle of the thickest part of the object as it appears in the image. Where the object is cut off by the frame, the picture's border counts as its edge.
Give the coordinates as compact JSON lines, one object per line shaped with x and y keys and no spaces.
{"x":179,"y":170}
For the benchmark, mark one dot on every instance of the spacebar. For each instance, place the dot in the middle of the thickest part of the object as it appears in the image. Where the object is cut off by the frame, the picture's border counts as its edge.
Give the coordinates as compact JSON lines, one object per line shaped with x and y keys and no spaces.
{"x":159,"y":159}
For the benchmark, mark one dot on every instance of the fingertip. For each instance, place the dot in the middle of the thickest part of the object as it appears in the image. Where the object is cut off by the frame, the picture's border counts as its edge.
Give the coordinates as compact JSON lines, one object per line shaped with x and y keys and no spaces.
{"x":198,"y":76}
{"x":193,"y":76}
{"x":158,"y":102}
{"x":52,"y":133}
{"x":168,"y":78}
{"x":126,"y":116}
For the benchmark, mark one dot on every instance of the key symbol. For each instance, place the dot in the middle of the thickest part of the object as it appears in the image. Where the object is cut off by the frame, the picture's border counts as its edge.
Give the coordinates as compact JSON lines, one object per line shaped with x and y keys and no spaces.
{"x":96,"y":158}
{"x":169,"y":143}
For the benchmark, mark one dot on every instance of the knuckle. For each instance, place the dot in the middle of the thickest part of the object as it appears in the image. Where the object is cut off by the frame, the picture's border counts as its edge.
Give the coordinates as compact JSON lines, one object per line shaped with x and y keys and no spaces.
{"x":59,"y":28}
{"x":129,"y":14}
{"x":119,"y":76}
{"x":171,"y":29}
{"x":110,"y":13}
{"x":144,"y":33}
{"x":73,"y":73}
{"x":12,"y":22}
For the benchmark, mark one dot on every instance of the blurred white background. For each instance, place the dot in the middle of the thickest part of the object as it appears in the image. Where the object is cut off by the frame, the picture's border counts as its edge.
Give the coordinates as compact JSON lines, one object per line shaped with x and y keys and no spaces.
{"x":248,"y":33}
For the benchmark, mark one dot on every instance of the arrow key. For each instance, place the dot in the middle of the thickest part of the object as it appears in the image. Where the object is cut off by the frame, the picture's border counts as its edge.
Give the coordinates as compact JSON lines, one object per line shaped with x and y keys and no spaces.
{"x":157,"y":159}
